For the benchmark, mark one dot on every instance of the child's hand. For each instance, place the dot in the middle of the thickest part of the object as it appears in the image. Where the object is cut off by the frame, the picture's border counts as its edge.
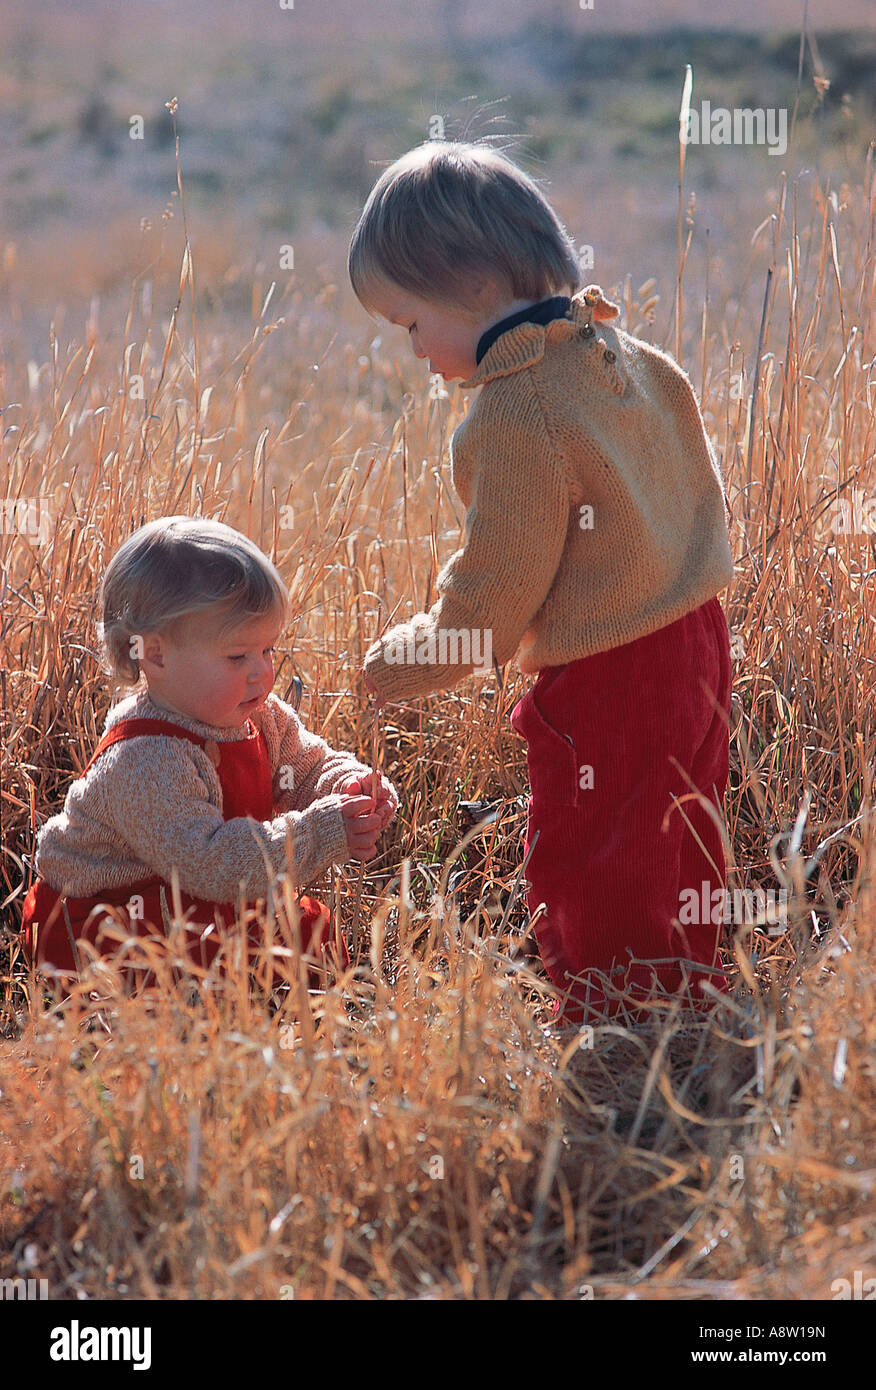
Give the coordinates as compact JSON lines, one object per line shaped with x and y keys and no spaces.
{"x":363,"y":784}
{"x":362,"y":826}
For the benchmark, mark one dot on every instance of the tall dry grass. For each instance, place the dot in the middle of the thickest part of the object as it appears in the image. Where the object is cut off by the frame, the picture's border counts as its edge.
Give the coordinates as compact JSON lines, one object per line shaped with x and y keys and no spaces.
{"x":419,"y":1130}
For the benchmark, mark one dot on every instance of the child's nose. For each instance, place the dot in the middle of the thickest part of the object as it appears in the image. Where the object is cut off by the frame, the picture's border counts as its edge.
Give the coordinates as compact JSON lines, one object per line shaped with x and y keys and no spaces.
{"x":259,"y":668}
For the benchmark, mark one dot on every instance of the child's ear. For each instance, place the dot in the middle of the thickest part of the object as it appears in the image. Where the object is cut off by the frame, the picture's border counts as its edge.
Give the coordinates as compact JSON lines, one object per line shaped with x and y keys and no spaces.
{"x":153,"y":650}
{"x":489,"y":294}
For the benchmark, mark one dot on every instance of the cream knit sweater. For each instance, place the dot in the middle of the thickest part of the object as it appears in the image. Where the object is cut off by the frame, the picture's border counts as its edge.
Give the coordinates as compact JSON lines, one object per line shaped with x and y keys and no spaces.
{"x":152,"y":802}
{"x":596,"y":511}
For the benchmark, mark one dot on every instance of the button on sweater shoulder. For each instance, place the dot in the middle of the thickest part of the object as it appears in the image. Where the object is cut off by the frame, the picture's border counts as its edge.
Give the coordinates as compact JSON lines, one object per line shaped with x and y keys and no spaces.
{"x":595,"y":508}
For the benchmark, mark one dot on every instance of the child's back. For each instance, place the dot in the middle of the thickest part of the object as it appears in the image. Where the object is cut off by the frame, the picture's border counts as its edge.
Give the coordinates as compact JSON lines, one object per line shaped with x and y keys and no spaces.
{"x":597,"y":512}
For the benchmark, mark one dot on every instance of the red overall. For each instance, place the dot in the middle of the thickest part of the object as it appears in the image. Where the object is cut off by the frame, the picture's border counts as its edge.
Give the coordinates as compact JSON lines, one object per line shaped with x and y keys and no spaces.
{"x":245,"y":776}
{"x":601,"y":734}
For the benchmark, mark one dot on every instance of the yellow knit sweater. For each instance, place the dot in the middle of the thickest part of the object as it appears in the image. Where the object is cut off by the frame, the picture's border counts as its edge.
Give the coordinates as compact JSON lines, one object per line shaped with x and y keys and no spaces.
{"x":595,"y":509}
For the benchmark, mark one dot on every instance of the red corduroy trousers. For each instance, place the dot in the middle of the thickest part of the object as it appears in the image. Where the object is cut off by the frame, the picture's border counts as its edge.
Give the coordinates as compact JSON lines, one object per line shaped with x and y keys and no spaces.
{"x":623,"y":838}
{"x":47,"y":940}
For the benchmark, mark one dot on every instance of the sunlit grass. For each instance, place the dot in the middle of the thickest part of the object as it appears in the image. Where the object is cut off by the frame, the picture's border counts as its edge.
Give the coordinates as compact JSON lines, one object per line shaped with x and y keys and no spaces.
{"x":418,"y":1129}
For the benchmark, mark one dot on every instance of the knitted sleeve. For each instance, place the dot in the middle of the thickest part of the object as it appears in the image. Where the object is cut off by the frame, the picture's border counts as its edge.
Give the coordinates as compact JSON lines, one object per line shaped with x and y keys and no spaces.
{"x":304,"y":767}
{"x":157,"y":807}
{"x":514,"y":533}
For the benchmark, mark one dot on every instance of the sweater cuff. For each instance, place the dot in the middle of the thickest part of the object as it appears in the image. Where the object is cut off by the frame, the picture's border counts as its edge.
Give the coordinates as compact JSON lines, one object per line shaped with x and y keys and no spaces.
{"x":421,"y":657}
{"x":353,"y":769}
{"x":321,"y":839}
{"x":391,"y":682}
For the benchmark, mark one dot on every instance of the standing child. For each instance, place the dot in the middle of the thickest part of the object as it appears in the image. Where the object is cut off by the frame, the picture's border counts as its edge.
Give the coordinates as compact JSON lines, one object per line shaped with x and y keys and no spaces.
{"x":203,"y":768}
{"x":595,"y":544}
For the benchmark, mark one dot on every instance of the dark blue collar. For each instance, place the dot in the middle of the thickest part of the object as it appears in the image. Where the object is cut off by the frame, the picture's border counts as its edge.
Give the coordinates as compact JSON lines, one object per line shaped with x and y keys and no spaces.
{"x":547,"y":309}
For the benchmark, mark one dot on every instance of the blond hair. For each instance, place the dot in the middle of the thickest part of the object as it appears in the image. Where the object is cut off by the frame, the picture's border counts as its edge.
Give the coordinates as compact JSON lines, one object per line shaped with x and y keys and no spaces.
{"x":176,"y":569}
{"x":447,"y":212}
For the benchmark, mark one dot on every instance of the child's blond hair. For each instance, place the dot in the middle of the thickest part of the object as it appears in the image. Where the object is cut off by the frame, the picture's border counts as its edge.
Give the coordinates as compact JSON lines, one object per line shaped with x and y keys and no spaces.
{"x":177,"y":569}
{"x":447,"y":212}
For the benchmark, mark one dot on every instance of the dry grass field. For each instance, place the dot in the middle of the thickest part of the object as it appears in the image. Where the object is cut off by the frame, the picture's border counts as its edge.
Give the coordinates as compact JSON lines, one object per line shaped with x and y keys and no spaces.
{"x":419,"y":1130}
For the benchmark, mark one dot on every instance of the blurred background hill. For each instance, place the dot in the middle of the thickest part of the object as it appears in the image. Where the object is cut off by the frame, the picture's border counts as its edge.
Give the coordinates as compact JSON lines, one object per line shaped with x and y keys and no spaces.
{"x":287,"y":116}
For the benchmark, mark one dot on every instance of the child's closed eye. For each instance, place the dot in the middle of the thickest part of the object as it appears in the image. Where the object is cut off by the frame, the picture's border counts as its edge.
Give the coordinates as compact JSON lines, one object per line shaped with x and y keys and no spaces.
{"x":240,"y":658}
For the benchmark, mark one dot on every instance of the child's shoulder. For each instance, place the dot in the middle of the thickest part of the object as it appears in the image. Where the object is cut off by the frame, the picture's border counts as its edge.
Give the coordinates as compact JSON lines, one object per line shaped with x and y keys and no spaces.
{"x":280,"y":723}
{"x":154,"y":751}
{"x":654,"y":378}
{"x":128,"y":708}
{"x":147,"y":747}
{"x":113,"y":782}
{"x":276,"y":713}
{"x":644,"y":350}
